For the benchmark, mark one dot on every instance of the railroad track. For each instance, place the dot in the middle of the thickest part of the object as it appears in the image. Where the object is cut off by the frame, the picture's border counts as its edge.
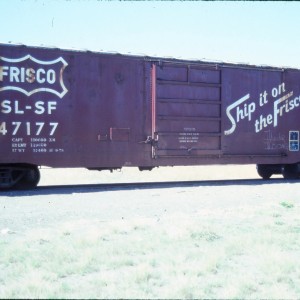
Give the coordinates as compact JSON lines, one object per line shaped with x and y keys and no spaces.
{"x":90,"y":188}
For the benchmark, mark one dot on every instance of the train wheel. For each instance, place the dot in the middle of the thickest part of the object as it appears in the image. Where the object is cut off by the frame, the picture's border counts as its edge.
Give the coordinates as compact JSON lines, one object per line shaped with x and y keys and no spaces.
{"x":264,"y":171}
{"x":290,"y":172}
{"x":30,"y":179}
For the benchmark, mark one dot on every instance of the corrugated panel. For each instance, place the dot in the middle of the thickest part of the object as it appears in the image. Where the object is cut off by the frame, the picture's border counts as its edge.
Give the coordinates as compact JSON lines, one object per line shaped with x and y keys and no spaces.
{"x":204,"y":76}
{"x":187,"y":111}
{"x":187,"y":91}
{"x":172,"y":73}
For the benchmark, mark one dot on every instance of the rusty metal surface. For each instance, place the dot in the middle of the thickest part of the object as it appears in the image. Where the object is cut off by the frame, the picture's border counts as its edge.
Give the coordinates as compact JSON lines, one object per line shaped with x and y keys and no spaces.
{"x":261,"y":112}
{"x":89,"y":116}
{"x":82,"y":109}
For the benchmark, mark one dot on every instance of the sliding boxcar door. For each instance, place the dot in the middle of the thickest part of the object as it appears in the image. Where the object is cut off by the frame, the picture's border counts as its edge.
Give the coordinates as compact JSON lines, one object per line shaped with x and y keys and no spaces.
{"x":186,"y":110}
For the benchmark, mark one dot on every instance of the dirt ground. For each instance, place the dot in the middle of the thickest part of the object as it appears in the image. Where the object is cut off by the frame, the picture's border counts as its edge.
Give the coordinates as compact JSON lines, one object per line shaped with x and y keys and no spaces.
{"x":82,"y":176}
{"x":227,"y":240}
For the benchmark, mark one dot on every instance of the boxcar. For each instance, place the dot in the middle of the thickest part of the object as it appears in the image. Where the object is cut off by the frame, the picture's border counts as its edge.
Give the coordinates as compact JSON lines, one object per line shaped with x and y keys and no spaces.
{"x":67,"y":108}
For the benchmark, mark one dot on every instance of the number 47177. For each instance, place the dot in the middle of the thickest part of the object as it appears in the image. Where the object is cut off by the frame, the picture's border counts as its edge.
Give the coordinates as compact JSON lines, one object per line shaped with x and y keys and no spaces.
{"x":28,"y":128}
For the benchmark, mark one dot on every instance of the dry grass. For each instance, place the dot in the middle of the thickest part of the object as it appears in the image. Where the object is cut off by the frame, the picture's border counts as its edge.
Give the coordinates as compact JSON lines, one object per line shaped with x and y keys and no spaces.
{"x":210,"y":254}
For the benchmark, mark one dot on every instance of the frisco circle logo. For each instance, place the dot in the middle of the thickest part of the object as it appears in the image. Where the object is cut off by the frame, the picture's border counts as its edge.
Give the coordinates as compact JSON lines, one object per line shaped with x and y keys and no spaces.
{"x":29,"y":75}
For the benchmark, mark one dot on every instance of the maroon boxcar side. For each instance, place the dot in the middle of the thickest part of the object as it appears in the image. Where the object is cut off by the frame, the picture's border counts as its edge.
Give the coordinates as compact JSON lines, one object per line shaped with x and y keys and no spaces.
{"x":65,"y":108}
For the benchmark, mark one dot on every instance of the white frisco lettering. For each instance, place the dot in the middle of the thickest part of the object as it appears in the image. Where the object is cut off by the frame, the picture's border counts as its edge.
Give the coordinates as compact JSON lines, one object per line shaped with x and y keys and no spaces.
{"x":230,"y":117}
{"x":29,"y":75}
{"x":276,"y":91}
{"x":263,"y":122}
{"x":263,"y":98}
{"x":8,"y":108}
{"x":39,"y":108}
{"x":34,"y":128}
{"x":3,"y":72}
{"x":281,"y":106}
